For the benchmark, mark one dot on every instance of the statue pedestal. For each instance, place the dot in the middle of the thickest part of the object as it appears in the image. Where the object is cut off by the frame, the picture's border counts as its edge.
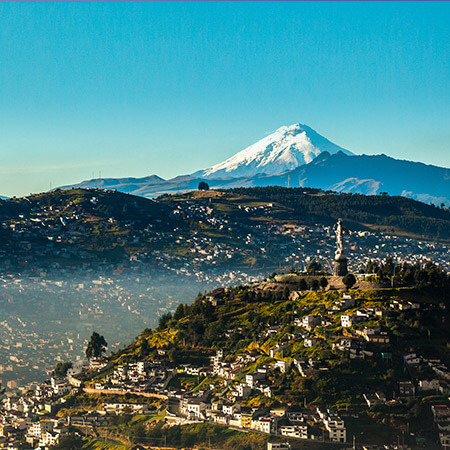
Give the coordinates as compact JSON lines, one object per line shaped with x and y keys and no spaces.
{"x":340,"y":267}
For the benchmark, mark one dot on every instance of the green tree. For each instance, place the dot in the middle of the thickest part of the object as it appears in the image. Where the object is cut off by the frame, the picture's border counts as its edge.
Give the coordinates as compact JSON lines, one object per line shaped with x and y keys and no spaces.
{"x":62,"y":368}
{"x":349,"y":280}
{"x":314,"y":284}
{"x":179,"y":312}
{"x":164,"y":321}
{"x":69,"y":442}
{"x":96,"y":346}
{"x":203,"y":186}
{"x":145,"y":348}
{"x":323,"y":282}
{"x":303,"y":285}
{"x":313,"y":267}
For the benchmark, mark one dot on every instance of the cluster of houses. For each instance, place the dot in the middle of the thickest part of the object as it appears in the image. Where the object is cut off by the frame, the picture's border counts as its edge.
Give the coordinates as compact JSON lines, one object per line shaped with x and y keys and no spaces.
{"x":441,"y":419}
{"x":30,"y":417}
{"x":318,"y":424}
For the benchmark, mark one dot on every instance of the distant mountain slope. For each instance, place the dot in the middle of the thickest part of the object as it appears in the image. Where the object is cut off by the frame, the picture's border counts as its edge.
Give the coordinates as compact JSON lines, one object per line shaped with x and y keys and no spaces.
{"x":125,"y":185}
{"x":370,"y":175}
{"x":285,"y":149}
{"x":296,"y":156}
{"x":358,"y":174}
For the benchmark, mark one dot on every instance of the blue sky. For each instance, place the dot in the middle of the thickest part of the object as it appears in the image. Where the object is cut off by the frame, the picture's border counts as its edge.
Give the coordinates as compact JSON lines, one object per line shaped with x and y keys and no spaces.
{"x":132,"y":89}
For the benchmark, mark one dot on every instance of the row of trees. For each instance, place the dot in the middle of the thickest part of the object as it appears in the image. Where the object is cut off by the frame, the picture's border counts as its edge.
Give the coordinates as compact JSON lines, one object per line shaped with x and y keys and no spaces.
{"x":429,"y":274}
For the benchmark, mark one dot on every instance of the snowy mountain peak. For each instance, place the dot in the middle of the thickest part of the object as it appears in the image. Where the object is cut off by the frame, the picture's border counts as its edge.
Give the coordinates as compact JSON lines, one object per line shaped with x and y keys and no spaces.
{"x":285,"y":149}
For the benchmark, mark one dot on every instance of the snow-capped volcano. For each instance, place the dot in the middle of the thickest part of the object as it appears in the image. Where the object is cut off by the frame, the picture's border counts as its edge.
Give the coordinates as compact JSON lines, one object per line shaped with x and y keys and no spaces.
{"x":285,"y":149}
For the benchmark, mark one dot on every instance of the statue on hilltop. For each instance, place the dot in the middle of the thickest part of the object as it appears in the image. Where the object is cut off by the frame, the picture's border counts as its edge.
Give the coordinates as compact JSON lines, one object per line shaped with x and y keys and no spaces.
{"x":340,"y":260}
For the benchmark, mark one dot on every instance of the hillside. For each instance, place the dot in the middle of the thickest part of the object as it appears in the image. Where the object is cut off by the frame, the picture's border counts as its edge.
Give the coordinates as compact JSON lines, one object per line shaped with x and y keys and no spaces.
{"x":396,"y":215}
{"x":259,"y":227}
{"x":305,"y":355}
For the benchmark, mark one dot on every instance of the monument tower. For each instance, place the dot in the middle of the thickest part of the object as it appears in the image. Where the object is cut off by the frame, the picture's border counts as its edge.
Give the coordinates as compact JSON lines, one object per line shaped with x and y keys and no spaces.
{"x":340,"y":260}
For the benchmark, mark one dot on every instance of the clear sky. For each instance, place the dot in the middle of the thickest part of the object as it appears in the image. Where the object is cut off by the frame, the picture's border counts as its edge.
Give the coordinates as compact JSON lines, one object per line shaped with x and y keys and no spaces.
{"x":132,"y":89}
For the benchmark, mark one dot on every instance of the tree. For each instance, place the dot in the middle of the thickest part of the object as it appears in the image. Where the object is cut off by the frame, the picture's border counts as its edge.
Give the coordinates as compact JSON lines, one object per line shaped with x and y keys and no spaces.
{"x":62,"y":368}
{"x":313,"y":267}
{"x":303,"y":285}
{"x":96,"y":346}
{"x":314,"y":284}
{"x":179,"y":312}
{"x":203,"y":186}
{"x":323,"y":282}
{"x":145,"y":348}
{"x":164,"y":321}
{"x":69,"y":442}
{"x":349,"y":280}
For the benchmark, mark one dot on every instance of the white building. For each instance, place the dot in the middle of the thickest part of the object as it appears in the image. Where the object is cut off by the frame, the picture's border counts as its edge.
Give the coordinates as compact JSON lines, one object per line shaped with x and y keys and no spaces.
{"x":336,"y":428}
{"x":297,"y":431}
{"x":41,"y":427}
{"x":243,"y":390}
{"x":193,"y":408}
{"x":346,"y":320}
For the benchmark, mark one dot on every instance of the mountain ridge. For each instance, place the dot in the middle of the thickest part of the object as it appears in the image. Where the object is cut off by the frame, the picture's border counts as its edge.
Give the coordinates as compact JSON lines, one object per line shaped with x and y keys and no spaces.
{"x":297,"y":156}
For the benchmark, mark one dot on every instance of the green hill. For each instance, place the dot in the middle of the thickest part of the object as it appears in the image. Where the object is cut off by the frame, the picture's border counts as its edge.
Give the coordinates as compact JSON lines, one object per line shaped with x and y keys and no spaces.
{"x":238,"y":228}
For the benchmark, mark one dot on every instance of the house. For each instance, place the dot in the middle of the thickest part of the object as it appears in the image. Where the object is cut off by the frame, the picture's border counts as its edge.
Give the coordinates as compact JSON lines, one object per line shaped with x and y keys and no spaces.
{"x":374,"y":399}
{"x":374,"y":334}
{"x":193,"y":408}
{"x":309,"y":342}
{"x":252,"y":378}
{"x":243,"y":390}
{"x":117,"y":408}
{"x":347,"y":320}
{"x":263,"y":424}
{"x":215,"y":360}
{"x":295,"y":416}
{"x":231,"y":408}
{"x":97,"y":363}
{"x":42,"y":427}
{"x":346,"y":302}
{"x":278,"y":446}
{"x":216,"y":297}
{"x":297,"y":431}
{"x":441,"y":413}
{"x":406,"y":388}
{"x":246,"y":420}
{"x":284,"y":366}
{"x":278,"y":412}
{"x":411,"y":359}
{"x":277,"y":349}
{"x":221,"y":418}
{"x":310,"y":321}
{"x":336,"y":428}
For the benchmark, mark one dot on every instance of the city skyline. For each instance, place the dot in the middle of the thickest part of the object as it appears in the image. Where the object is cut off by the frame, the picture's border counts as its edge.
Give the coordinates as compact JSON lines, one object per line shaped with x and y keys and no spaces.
{"x":133,"y":89}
